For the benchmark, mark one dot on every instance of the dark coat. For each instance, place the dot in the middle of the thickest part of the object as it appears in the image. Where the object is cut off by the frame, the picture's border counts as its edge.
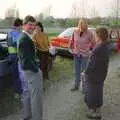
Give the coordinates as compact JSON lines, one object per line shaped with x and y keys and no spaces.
{"x":95,"y":75}
{"x":27,"y":53}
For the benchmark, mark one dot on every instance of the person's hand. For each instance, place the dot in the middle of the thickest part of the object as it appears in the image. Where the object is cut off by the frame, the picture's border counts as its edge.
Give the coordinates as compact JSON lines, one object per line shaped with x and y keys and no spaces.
{"x":83,"y":73}
{"x":70,"y":50}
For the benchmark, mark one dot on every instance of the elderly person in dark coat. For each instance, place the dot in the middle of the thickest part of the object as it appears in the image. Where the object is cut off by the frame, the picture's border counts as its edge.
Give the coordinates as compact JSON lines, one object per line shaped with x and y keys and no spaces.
{"x":96,"y":74}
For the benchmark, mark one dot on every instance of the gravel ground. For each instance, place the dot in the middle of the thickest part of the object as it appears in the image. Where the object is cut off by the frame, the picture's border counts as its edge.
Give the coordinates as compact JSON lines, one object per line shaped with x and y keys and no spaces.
{"x":61,"y":104}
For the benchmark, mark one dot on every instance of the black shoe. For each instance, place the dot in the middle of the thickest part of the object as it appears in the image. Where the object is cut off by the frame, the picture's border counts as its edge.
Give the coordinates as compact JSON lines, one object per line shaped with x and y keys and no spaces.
{"x":74,"y":89}
{"x":25,"y":119}
{"x":83,"y":91}
{"x":92,"y":114}
{"x":17,"y":96}
{"x":94,"y":117}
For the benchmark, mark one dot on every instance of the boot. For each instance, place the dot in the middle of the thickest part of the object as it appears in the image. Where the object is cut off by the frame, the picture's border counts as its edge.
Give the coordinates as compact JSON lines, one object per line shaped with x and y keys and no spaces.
{"x":94,"y":114}
{"x":98,"y":112}
{"x":90,"y":113}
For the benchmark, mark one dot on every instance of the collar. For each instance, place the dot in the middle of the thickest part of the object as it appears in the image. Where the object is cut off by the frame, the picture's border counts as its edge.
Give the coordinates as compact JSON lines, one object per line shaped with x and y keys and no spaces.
{"x":27,"y":34}
{"x":15,"y":28}
{"x":80,"y":31}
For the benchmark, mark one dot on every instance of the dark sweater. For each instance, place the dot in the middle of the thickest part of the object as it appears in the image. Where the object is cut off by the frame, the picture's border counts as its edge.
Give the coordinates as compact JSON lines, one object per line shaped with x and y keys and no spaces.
{"x":98,"y":65}
{"x":27,"y":53}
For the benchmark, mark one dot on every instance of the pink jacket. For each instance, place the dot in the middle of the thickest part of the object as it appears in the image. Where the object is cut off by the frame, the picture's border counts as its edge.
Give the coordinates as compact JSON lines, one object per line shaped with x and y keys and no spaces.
{"x":81,"y":45}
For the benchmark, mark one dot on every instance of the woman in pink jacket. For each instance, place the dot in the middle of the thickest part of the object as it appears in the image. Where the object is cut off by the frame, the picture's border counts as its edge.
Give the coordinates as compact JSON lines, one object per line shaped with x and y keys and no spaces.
{"x":81,"y":45}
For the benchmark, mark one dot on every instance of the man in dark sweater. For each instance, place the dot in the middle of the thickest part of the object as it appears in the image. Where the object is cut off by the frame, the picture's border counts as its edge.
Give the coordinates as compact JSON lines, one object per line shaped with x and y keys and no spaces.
{"x":32,"y":77}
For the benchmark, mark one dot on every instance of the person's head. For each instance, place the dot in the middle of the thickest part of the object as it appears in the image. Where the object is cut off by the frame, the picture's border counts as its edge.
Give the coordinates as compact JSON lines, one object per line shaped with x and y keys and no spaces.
{"x":83,"y":25}
{"x":18,"y":23}
{"x":29,"y":24}
{"x":102,"y":34}
{"x":39,"y":27}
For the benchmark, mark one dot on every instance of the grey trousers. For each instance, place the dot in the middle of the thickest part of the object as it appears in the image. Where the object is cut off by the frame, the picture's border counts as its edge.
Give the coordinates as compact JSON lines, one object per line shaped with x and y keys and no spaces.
{"x":32,"y":97}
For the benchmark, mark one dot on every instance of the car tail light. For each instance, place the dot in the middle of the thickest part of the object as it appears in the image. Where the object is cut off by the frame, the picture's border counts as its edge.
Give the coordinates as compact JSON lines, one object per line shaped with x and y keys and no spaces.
{"x":54,"y":43}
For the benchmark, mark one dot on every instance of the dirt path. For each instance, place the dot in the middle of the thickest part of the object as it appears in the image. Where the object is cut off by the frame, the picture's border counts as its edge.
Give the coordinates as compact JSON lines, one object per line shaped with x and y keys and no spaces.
{"x":61,"y":104}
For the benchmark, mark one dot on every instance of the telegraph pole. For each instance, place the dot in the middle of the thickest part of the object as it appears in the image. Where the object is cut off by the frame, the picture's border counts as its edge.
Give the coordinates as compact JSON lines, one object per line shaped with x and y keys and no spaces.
{"x":117,"y":11}
{"x":84,"y":7}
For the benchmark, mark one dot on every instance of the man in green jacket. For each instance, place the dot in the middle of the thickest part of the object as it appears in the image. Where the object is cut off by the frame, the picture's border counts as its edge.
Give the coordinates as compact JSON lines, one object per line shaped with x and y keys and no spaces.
{"x":32,"y":77}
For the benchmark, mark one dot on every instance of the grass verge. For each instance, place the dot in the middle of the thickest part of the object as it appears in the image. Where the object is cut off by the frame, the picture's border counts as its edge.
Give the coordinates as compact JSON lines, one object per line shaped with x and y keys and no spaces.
{"x":50,"y":35}
{"x":62,"y":71}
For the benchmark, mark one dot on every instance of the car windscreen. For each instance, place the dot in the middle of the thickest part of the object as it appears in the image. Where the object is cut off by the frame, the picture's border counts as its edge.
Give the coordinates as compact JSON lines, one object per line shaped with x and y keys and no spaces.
{"x":67,"y":33}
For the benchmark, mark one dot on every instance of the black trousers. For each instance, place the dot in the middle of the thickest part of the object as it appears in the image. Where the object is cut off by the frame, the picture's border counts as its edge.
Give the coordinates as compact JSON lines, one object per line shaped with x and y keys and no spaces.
{"x":94,"y":95}
{"x":44,"y":62}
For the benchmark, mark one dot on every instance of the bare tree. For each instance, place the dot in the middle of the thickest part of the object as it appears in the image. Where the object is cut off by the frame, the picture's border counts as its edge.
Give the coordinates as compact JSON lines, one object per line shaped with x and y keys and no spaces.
{"x":78,"y":8}
{"x":12,"y":11}
{"x":117,"y":10}
{"x":47,"y":11}
{"x":40,"y":17}
{"x":74,"y":10}
{"x":115,"y":13}
{"x":9,"y":13}
{"x":93,"y":12}
{"x":83,"y":8}
{"x":17,"y":13}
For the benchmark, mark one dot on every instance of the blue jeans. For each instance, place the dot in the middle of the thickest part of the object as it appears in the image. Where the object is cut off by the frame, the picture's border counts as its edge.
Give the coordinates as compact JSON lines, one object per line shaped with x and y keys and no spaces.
{"x":80,"y":64}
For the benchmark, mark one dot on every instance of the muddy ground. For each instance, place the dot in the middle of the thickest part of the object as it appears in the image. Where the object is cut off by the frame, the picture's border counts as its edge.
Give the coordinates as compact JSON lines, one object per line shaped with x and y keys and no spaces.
{"x":61,"y":104}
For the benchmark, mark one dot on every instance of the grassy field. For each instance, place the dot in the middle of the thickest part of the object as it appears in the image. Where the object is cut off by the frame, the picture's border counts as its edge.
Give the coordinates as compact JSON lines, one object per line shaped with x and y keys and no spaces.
{"x":54,"y":32}
{"x":50,"y":35}
{"x":61,"y":70}
{"x":47,"y":30}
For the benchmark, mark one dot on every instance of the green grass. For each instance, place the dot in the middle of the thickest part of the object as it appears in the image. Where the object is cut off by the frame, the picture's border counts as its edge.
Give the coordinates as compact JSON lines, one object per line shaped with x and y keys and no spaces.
{"x":50,"y":35}
{"x":62,"y":71}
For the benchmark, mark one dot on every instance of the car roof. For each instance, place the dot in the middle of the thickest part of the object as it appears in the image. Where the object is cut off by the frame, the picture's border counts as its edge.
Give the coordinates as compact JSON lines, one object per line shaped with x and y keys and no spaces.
{"x":77,"y":27}
{"x":3,"y":36}
{"x":72,"y":29}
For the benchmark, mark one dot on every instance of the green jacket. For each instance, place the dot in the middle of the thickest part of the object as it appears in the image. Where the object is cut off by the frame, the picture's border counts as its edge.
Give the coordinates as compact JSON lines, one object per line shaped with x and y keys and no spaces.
{"x":26,"y":52}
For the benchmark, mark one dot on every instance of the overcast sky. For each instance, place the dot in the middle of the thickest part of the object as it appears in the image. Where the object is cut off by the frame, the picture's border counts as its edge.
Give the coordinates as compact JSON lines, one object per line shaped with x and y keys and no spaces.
{"x":59,"y":8}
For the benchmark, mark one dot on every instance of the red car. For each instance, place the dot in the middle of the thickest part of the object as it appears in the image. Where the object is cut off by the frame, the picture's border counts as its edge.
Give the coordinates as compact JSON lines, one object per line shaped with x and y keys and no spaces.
{"x":60,"y":43}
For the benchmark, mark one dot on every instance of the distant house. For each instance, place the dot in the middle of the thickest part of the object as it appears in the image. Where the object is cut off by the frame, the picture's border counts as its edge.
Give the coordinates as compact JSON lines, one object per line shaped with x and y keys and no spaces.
{"x":105,"y":21}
